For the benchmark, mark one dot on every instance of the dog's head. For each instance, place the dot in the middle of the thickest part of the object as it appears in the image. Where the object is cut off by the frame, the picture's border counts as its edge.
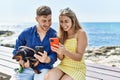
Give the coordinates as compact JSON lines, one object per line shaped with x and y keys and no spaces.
{"x":23,"y":53}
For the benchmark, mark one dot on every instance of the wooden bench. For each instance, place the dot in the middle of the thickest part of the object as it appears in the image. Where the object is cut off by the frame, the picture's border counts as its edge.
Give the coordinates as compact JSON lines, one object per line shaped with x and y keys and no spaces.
{"x":94,"y":71}
{"x":7,"y":64}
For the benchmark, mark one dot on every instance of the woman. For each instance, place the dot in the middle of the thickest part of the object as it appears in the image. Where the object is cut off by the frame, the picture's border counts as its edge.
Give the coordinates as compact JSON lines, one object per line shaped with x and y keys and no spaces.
{"x":70,"y":51}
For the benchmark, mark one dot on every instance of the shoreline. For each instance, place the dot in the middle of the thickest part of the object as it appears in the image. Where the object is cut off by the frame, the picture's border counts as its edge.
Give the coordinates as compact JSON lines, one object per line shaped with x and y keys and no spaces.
{"x":7,"y":38}
{"x":105,"y":55}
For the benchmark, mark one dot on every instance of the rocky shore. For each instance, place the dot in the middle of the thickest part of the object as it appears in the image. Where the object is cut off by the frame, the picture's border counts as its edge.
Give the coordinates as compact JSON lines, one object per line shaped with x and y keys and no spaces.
{"x":6,"y":33}
{"x":6,"y":38}
{"x":106,"y":55}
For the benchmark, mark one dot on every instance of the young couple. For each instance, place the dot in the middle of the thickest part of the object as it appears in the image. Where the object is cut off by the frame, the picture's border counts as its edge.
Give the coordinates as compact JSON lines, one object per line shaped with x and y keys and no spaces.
{"x":70,"y":51}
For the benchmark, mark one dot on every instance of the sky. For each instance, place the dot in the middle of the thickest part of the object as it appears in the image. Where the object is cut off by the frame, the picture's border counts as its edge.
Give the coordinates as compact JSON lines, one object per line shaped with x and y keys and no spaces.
{"x":23,"y":11}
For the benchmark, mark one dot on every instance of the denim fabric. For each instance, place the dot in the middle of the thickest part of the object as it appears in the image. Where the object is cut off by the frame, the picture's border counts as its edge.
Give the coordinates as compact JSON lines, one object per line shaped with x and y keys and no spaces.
{"x":28,"y":74}
{"x":41,"y":75}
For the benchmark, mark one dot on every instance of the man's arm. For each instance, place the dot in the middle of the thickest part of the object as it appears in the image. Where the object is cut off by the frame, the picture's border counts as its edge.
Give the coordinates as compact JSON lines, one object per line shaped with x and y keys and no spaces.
{"x":53,"y":58}
{"x":19,"y":42}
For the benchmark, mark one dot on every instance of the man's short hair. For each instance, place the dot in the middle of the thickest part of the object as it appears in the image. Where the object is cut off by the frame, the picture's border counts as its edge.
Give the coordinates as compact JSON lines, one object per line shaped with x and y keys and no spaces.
{"x":43,"y":10}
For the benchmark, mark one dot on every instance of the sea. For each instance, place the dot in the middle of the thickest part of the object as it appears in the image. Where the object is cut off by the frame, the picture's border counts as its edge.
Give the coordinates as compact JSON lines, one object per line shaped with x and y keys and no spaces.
{"x":98,"y":33}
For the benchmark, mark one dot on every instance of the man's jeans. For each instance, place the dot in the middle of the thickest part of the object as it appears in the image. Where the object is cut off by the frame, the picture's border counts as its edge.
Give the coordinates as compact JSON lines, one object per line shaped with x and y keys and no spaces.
{"x":28,"y":74}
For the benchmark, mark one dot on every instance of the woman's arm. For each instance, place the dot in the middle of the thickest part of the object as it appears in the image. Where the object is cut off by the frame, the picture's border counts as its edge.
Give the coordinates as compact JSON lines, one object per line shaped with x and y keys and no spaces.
{"x":58,"y":51}
{"x":60,"y":56}
{"x":81,"y":46}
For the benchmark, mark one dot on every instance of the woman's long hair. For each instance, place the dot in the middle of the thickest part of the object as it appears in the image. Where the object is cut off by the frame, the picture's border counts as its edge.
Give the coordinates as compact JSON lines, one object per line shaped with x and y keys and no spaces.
{"x":75,"y":24}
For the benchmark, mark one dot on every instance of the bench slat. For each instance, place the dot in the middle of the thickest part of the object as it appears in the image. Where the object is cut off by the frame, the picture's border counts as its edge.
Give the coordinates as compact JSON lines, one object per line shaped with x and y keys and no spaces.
{"x":101,"y":76}
{"x":104,"y":67}
{"x":7,"y":58}
{"x":91,"y":78}
{"x":6,"y":70}
{"x":105,"y":72}
{"x":9,"y":64}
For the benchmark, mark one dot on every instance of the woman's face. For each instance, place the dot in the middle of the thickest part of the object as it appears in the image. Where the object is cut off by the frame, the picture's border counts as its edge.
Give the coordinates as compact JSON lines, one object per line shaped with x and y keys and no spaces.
{"x":65,"y":23}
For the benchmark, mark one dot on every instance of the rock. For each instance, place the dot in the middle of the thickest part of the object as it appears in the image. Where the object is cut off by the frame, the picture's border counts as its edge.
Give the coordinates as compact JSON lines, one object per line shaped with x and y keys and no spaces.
{"x":6,"y":33}
{"x":8,"y":45}
{"x":113,"y":65}
{"x":106,"y":55}
{"x":98,"y":53}
{"x":89,"y":51}
{"x":7,"y":38}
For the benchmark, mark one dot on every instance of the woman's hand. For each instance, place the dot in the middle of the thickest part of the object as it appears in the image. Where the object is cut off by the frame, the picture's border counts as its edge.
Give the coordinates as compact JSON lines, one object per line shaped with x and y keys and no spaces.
{"x":42,"y":57}
{"x":59,"y":49}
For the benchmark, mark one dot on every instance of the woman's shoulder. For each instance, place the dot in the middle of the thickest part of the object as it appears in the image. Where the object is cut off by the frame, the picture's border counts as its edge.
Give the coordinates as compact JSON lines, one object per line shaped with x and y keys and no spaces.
{"x":80,"y":33}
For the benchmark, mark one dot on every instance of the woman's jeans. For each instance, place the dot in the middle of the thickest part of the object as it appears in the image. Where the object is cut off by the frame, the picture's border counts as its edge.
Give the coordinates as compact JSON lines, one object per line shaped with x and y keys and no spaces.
{"x":29,"y":74}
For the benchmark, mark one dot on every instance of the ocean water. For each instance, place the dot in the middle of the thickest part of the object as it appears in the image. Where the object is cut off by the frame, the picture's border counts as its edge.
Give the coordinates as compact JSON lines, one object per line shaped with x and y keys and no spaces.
{"x":98,"y":33}
{"x":103,"y":33}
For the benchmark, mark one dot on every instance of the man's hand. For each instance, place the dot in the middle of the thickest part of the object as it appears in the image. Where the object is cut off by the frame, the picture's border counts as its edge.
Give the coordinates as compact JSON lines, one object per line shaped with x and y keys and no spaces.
{"x":27,"y":64}
{"x":21,"y":62}
{"x":24,"y":64}
{"x":43,"y":58}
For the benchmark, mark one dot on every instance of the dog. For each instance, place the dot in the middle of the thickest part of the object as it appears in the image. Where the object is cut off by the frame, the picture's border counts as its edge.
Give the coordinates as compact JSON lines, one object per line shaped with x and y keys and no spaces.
{"x":27,"y":54}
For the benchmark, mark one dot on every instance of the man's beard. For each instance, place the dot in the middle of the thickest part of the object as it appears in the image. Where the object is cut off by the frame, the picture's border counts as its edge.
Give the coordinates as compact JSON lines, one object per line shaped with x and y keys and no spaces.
{"x":45,"y":28}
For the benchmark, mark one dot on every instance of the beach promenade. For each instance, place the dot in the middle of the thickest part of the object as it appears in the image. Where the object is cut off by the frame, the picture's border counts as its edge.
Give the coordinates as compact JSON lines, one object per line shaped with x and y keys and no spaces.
{"x":94,"y":71}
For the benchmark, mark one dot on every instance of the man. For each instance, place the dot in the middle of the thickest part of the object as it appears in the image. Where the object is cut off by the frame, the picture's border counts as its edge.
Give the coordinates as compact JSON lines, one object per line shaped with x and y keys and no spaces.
{"x":38,"y":35}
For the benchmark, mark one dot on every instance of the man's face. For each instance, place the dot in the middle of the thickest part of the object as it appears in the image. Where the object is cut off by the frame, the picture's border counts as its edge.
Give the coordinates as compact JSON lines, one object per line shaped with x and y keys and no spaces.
{"x":44,"y":22}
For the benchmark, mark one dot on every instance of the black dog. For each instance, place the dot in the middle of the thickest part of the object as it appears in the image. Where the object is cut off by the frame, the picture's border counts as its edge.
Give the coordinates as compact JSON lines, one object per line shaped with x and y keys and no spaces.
{"x":25,"y":53}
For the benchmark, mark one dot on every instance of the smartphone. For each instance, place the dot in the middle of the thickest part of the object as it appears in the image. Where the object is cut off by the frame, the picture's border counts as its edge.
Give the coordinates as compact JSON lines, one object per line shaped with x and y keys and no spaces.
{"x":39,"y":49}
{"x":54,"y":41}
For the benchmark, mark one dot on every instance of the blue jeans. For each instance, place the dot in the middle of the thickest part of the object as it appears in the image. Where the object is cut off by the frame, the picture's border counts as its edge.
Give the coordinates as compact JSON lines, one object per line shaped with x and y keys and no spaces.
{"x":28,"y":74}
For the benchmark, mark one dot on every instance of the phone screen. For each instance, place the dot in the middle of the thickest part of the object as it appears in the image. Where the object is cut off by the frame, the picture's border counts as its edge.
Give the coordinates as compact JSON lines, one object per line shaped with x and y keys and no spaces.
{"x":39,"y":49}
{"x":54,"y":41}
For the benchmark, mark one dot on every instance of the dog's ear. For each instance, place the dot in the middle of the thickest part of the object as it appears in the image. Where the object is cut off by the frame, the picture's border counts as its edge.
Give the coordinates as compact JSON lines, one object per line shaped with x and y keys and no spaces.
{"x":14,"y":56}
{"x":17,"y":58}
